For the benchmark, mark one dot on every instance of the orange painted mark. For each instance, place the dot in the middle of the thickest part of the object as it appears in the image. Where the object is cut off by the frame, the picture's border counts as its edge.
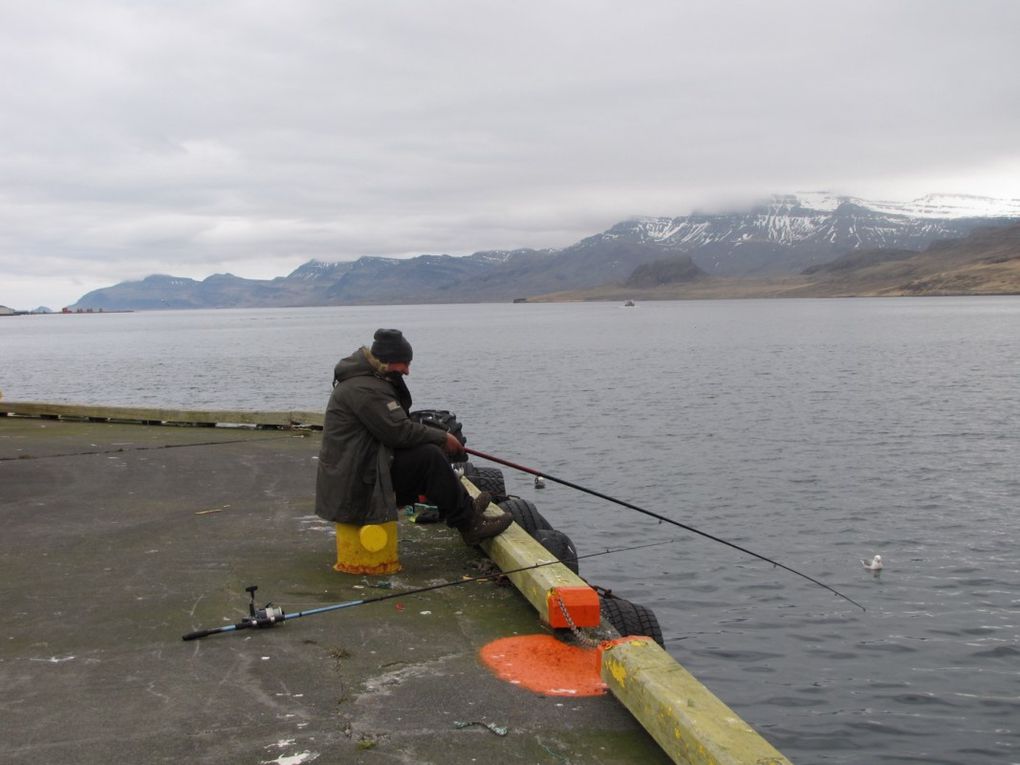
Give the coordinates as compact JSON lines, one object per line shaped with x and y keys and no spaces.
{"x":543,"y":664}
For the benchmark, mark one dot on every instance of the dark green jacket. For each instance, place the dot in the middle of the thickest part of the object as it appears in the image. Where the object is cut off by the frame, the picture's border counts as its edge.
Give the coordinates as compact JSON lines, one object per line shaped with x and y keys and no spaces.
{"x":366,"y":419}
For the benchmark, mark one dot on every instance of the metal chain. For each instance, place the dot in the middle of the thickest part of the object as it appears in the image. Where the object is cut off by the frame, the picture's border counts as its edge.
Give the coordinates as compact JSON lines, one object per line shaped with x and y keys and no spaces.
{"x":583,"y":639}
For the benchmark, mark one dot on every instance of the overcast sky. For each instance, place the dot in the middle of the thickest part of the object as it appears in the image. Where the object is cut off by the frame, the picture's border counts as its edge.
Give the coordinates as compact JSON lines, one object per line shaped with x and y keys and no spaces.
{"x":192,"y":138}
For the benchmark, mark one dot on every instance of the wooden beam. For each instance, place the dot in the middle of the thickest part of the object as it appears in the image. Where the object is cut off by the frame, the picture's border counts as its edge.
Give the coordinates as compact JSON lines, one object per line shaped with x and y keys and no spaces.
{"x":514,"y":549}
{"x":153,"y":415}
{"x":687,"y":720}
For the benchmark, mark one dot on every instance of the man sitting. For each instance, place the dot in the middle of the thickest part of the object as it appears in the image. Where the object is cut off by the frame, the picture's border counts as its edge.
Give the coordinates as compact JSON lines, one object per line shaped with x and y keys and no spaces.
{"x":374,"y":458}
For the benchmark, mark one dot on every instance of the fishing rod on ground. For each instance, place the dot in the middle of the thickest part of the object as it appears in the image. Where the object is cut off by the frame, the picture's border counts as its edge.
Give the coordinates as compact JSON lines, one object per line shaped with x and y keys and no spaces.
{"x":663,"y":518}
{"x":271,"y":615}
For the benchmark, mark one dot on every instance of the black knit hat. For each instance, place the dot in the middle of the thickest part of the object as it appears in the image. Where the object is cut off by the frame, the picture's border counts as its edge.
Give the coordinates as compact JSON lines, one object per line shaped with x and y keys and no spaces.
{"x":391,"y":345}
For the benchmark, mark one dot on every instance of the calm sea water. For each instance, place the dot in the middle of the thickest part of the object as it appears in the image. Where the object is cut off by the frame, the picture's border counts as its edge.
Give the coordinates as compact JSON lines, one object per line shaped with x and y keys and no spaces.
{"x":814,"y":432}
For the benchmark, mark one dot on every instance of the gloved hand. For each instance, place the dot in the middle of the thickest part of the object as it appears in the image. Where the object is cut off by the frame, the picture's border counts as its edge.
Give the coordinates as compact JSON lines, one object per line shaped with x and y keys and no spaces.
{"x":452,"y":446}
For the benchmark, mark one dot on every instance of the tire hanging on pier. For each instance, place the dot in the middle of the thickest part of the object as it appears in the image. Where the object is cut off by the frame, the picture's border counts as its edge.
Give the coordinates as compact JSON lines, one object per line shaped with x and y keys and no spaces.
{"x":630,"y":618}
{"x":559,"y":544}
{"x":525,"y":514}
{"x":487,"y":479}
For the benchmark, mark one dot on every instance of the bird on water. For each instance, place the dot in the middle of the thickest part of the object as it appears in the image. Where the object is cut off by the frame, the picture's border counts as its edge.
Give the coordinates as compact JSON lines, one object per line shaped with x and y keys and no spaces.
{"x":874,"y":565}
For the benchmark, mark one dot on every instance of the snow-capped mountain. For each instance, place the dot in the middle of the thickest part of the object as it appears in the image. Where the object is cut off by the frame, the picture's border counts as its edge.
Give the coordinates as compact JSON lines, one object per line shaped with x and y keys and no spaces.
{"x":791,"y":232}
{"x":783,"y":235}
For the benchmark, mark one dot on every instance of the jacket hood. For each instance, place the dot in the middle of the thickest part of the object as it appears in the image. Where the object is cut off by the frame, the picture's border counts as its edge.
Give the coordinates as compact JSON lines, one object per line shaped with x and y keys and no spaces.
{"x":361,"y":363}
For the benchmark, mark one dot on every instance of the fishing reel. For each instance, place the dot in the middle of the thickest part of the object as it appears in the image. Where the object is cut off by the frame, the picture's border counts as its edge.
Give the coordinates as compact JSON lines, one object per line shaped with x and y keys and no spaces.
{"x":267,"y":616}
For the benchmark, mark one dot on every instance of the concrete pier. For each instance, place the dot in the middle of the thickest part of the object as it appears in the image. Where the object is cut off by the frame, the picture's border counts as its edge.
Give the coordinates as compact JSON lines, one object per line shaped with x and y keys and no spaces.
{"x":119,"y":538}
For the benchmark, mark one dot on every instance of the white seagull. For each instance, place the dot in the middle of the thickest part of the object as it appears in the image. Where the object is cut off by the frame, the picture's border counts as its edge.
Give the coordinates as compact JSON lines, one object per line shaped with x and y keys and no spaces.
{"x":539,"y":482}
{"x":875,"y":565}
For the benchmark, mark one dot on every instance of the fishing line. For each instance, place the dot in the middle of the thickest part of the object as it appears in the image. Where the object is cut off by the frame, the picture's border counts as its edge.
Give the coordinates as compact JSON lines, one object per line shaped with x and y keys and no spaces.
{"x":270,"y":616}
{"x":663,"y":518}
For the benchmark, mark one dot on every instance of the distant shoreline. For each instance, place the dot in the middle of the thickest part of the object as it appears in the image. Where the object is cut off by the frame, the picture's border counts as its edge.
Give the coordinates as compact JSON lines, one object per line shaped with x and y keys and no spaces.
{"x":609,"y":296}
{"x":67,"y":313}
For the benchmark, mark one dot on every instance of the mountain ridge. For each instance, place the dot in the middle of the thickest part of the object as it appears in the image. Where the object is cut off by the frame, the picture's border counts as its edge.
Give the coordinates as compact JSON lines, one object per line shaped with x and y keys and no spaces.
{"x":781,"y":236}
{"x":986,"y":262}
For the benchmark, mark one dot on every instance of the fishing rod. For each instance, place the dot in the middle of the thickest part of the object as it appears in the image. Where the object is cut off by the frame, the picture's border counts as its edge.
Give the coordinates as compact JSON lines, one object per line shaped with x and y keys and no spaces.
{"x":664,"y":518}
{"x":271,"y":615}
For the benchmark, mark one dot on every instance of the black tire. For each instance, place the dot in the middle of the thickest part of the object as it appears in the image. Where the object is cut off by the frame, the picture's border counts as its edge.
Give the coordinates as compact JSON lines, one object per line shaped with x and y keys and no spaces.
{"x":559,"y":544}
{"x":631,"y":618}
{"x":525,"y":514}
{"x":490,"y":480}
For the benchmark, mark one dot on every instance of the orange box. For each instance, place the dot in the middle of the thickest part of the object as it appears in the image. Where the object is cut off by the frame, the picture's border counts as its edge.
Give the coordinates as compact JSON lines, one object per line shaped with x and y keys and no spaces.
{"x":582,"y":603}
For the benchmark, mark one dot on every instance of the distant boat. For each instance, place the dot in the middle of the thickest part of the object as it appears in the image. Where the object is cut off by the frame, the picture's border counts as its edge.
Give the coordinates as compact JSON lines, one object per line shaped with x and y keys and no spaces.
{"x":629,"y":304}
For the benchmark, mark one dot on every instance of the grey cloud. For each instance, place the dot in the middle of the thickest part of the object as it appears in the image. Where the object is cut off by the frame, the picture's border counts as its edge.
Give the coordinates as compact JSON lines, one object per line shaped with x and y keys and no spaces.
{"x":148,"y":136}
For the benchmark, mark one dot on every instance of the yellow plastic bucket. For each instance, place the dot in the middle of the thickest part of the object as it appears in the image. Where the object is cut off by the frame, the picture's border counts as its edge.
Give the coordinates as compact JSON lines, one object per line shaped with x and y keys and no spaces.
{"x":369,"y":549}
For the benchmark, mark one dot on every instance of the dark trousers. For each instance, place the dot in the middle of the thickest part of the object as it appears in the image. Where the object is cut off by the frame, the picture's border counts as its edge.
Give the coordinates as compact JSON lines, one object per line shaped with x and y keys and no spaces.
{"x":426,"y":470}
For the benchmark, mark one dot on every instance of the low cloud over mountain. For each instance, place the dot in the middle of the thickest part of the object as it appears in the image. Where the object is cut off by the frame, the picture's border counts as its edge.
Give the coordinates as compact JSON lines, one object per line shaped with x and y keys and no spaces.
{"x":783,"y":237}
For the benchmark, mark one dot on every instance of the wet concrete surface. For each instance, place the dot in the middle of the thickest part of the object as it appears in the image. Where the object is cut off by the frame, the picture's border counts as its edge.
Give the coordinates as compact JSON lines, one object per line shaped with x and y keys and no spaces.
{"x":120,"y":538}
